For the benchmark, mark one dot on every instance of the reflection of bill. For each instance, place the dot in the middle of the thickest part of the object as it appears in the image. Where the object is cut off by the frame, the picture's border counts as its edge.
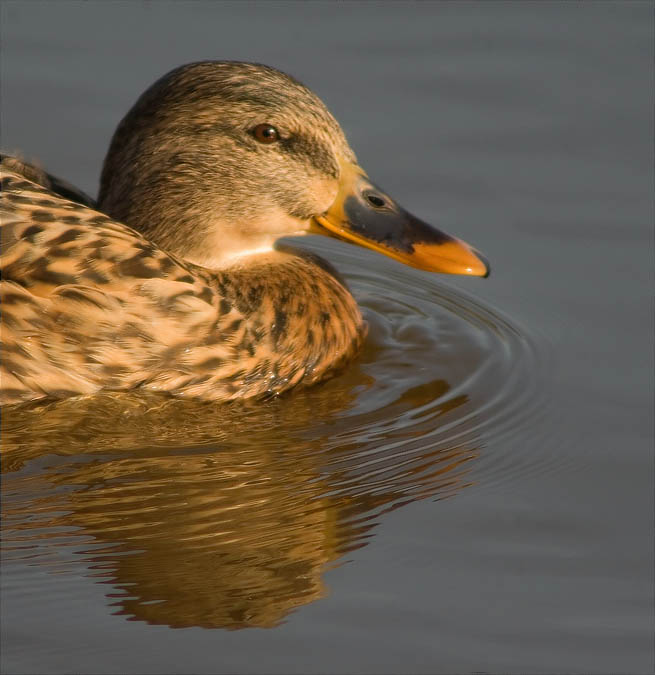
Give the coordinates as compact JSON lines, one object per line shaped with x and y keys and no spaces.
{"x":234,"y":531}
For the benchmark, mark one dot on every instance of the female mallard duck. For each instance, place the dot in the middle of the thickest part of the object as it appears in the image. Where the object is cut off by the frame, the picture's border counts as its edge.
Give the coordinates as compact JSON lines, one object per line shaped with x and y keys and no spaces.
{"x":213,"y":164}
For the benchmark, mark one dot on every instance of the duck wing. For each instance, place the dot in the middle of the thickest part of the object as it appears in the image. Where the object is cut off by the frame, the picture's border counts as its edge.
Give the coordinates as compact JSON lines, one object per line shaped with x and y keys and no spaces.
{"x":37,"y":175}
{"x":89,"y":304}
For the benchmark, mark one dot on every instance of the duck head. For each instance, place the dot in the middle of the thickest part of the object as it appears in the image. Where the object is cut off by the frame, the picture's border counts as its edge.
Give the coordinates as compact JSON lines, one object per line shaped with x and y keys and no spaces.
{"x":218,"y":160}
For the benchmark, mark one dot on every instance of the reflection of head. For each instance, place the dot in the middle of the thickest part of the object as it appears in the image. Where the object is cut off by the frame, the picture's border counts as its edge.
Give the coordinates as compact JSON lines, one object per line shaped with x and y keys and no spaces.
{"x":235,"y":532}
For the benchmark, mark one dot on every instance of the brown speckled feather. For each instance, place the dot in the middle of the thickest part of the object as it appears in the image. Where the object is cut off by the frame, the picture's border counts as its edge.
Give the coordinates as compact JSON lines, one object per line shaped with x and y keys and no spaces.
{"x":90,"y":304}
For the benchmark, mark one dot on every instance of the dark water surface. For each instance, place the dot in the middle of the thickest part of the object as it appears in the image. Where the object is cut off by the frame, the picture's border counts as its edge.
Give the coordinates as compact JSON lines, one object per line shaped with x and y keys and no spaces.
{"x":475,"y":493}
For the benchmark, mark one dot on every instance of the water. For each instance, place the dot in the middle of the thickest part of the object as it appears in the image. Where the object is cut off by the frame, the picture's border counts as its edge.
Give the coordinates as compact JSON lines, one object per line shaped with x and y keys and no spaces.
{"x":476,"y":492}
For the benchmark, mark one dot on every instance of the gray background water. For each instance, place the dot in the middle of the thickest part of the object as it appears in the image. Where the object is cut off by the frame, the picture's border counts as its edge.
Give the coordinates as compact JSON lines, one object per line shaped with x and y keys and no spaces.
{"x":528,"y":130}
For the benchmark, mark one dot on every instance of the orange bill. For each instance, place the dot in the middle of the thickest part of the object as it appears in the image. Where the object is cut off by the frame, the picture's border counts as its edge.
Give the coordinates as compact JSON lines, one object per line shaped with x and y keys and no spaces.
{"x":365,"y":215}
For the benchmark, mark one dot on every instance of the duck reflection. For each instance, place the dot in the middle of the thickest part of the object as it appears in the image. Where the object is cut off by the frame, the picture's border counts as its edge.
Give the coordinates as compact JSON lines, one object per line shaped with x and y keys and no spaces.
{"x":225,"y":516}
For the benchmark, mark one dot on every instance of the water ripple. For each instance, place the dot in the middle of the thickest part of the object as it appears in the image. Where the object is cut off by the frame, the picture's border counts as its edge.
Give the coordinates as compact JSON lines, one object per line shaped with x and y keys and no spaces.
{"x":199,"y":514}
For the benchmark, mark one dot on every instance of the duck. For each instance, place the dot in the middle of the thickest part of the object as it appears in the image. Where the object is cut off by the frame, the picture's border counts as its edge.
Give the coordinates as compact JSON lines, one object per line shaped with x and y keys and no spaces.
{"x":175,"y":279}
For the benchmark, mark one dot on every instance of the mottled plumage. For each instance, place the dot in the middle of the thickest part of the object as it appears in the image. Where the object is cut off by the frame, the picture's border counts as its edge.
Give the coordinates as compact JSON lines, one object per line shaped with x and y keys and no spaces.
{"x":90,"y":304}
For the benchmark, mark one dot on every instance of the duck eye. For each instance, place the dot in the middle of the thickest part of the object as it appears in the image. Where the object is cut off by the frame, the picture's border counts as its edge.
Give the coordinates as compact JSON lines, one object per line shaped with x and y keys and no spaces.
{"x":265,"y":133}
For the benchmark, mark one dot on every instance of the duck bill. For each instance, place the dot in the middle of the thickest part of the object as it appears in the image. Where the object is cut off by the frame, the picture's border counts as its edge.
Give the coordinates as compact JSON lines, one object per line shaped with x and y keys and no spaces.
{"x":364,"y":214}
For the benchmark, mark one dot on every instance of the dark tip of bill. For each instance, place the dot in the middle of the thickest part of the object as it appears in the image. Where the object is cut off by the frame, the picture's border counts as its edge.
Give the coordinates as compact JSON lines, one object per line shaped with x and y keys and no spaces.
{"x":486,"y":264}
